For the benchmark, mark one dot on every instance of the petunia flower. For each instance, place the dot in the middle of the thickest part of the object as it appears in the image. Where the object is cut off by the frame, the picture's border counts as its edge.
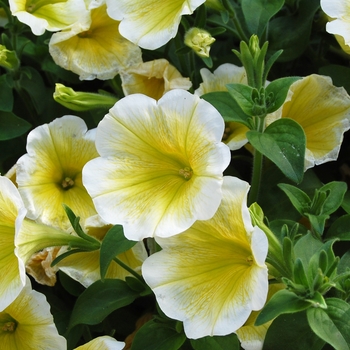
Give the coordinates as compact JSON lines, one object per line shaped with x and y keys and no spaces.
{"x":49,"y":15}
{"x":12,"y":270}
{"x":252,"y":337}
{"x":339,"y":21}
{"x":161,"y":164}
{"x":213,"y":275}
{"x":84,"y":267}
{"x":153,"y":78}
{"x":227,"y":73}
{"x":94,"y":48}
{"x":323,"y":111}
{"x":102,"y":343}
{"x":28,"y":324}
{"x":50,"y":173}
{"x":150,"y":24}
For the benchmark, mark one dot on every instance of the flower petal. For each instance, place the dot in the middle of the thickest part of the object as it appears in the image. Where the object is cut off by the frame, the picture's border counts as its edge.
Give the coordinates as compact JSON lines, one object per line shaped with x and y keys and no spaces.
{"x":153,"y":24}
{"x":34,"y":325}
{"x":323,"y":111}
{"x":211,"y":276}
{"x":12,"y":270}
{"x":102,"y":343}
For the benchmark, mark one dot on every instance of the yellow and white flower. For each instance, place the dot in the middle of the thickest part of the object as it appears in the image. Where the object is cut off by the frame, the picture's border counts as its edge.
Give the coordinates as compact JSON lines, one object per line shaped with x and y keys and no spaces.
{"x":339,"y":21}
{"x":161,"y":165}
{"x":51,"y":172}
{"x":27,"y":324}
{"x":153,"y":78}
{"x":41,"y":15}
{"x":102,"y":343}
{"x":12,"y":270}
{"x":235,"y":133}
{"x":150,"y":24}
{"x":213,"y":275}
{"x":94,"y":48}
{"x":323,"y":111}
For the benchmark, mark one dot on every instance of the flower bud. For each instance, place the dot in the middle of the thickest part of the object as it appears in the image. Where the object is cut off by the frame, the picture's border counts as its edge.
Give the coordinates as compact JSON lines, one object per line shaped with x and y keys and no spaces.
{"x":199,"y":40}
{"x":8,"y":58}
{"x":82,"y":101}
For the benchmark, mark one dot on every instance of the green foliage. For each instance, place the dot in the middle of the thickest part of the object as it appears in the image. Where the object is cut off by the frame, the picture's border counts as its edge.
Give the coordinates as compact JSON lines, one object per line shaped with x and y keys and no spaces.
{"x":331,"y":323}
{"x":216,"y":343}
{"x":157,"y":335}
{"x":99,"y":300}
{"x":113,"y":244}
{"x":257,"y":14}
{"x":283,"y":142}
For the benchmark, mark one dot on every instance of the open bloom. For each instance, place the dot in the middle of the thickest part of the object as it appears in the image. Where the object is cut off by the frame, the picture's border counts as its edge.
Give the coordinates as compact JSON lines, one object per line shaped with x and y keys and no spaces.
{"x":28,"y":324}
{"x":12,"y":271}
{"x":48,"y":15}
{"x":84,"y":267}
{"x":235,"y":133}
{"x":323,"y":111}
{"x":212,"y":275}
{"x":339,"y":21}
{"x":94,"y":48}
{"x":150,"y":24}
{"x":153,"y":78}
{"x":50,"y":173}
{"x":102,"y":343}
{"x":161,"y":164}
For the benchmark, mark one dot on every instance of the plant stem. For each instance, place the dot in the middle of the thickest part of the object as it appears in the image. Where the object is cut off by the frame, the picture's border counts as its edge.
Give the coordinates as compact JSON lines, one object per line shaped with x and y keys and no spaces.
{"x":129,"y":269}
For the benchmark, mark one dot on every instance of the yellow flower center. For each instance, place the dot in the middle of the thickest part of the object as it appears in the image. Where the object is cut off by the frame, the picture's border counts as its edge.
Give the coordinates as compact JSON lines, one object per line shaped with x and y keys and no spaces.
{"x":85,"y":34}
{"x":250,"y":259}
{"x":7,"y":323}
{"x":186,"y":172}
{"x":67,"y":183}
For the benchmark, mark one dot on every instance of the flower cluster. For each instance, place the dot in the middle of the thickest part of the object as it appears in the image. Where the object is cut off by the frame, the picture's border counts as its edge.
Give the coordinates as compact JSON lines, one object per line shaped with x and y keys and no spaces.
{"x":138,"y":208}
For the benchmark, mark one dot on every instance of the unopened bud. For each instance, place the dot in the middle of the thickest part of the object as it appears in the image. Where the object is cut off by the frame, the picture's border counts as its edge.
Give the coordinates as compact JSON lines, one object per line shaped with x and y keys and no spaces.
{"x":199,"y":40}
{"x":82,"y":101}
{"x":8,"y":58}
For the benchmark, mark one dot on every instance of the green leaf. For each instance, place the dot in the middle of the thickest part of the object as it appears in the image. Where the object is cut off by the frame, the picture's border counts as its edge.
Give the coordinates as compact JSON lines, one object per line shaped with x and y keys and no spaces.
{"x":113,"y":244}
{"x":99,"y":300}
{"x":332,"y":324}
{"x":157,"y":336}
{"x":300,"y":200}
{"x":216,"y":343}
{"x":257,"y":13}
{"x":283,"y":302}
{"x":283,"y":142}
{"x":346,"y":202}
{"x":32,"y":83}
{"x":12,"y":126}
{"x":337,"y":190}
{"x":291,"y":32}
{"x":227,"y":107}
{"x":291,"y":332}
{"x":279,"y":88}
{"x":306,"y":247}
{"x":242,"y":94}
{"x":6,"y":95}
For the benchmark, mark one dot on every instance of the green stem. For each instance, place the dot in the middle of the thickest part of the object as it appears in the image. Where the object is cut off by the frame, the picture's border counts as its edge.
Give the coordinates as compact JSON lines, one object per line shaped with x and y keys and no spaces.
{"x":256,"y":177}
{"x":232,"y":13}
{"x":129,"y":269}
{"x":257,"y":166}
